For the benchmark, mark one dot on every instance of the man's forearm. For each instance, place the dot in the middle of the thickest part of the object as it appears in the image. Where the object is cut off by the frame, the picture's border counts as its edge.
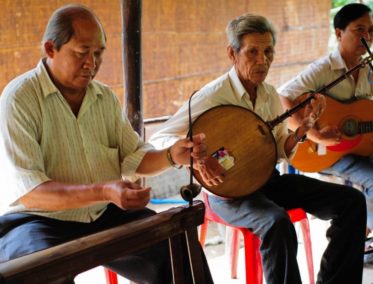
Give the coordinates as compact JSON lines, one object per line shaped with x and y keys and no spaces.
{"x":154,"y":162}
{"x":56,"y":196}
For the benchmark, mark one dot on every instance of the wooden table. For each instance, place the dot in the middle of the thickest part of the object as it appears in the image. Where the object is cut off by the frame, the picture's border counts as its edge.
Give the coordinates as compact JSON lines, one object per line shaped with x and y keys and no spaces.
{"x":178,"y":225}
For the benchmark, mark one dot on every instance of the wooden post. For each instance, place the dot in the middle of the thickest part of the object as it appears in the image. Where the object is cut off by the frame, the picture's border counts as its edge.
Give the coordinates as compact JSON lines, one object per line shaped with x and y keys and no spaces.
{"x":131,"y":15}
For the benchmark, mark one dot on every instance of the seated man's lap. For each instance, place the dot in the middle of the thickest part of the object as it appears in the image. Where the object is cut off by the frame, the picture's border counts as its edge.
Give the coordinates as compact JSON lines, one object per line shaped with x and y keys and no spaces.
{"x":26,"y":234}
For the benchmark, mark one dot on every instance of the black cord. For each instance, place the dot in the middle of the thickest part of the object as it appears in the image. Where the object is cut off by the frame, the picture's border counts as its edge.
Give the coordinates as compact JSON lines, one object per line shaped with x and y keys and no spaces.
{"x":191,"y":136}
{"x":188,"y":192}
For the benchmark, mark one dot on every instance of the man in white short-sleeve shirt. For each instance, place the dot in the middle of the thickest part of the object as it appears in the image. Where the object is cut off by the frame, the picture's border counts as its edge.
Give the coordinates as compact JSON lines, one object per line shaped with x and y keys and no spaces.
{"x":351,"y":23}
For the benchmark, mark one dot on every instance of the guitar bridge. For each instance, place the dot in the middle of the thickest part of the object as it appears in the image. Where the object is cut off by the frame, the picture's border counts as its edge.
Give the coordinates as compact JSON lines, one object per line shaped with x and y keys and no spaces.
{"x":321,"y":149}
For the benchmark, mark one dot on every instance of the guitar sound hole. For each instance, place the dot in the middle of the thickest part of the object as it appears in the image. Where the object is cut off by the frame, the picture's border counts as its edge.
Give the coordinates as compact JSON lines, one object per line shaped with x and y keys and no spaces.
{"x":350,"y":127}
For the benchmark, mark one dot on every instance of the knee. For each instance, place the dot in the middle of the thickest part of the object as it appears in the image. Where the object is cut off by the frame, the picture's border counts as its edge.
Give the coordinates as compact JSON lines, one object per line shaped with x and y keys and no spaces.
{"x":278,"y":230}
{"x":355,"y":201}
{"x":279,"y":223}
{"x":355,"y":197}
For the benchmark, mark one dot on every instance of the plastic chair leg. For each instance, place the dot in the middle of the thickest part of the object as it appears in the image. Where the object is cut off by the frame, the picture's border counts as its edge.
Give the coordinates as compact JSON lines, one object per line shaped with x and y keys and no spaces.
{"x":253,"y":262}
{"x":235,"y":247}
{"x":308,"y":248}
{"x":203,"y":232}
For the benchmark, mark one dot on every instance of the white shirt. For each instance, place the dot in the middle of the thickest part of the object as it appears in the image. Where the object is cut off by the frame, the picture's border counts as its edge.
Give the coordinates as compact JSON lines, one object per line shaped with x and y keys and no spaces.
{"x":42,"y":140}
{"x":225,"y":90}
{"x":322,"y":72}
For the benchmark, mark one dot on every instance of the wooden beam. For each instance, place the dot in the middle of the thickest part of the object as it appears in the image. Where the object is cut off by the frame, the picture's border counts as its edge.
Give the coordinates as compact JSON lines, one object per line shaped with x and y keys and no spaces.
{"x":131,"y":14}
{"x":74,"y":257}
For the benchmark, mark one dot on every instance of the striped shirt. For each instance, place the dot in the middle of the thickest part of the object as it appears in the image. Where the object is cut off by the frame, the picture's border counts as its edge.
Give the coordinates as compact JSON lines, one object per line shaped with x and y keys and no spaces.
{"x":42,"y":140}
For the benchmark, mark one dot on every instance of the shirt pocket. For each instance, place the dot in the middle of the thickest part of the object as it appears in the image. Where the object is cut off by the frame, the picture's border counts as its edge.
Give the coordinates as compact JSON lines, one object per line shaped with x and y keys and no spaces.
{"x":107,"y":162}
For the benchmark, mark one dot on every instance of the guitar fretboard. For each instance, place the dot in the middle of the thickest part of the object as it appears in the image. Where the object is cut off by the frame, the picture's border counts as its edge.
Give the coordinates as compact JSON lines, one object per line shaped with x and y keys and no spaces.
{"x":365,"y":127}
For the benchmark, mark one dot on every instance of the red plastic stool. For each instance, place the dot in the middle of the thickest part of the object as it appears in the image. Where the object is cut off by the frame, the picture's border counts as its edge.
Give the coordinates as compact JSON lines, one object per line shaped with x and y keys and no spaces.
{"x":111,"y":277}
{"x":253,"y":263}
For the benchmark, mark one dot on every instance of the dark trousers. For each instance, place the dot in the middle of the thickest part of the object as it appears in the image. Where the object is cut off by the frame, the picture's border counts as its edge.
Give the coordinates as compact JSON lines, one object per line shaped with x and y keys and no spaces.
{"x":264,"y":212}
{"x":22,"y":234}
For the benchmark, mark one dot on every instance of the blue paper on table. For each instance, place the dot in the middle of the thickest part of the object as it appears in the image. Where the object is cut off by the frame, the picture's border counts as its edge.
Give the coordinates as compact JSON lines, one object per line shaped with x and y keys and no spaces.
{"x":167,"y":201}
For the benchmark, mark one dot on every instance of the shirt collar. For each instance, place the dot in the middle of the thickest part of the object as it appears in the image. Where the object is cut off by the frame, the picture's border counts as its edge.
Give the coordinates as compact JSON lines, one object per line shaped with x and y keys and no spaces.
{"x":46,"y":83}
{"x":336,"y":61}
{"x":48,"y":87}
{"x":239,"y":89}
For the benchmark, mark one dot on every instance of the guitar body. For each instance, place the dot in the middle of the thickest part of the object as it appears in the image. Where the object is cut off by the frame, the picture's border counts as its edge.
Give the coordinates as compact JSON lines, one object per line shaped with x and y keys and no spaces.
{"x":349,"y":117}
{"x":247,"y":139}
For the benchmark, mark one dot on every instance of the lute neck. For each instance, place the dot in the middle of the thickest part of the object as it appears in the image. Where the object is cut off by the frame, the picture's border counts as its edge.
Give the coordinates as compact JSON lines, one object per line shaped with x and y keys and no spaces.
{"x":279,"y":119}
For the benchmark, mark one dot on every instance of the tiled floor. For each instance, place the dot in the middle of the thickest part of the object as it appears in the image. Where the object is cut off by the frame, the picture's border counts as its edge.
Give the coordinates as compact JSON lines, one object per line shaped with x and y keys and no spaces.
{"x":219,"y":264}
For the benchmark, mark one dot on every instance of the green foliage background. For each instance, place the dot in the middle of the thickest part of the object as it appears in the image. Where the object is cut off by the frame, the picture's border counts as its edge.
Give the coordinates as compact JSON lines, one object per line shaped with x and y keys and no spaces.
{"x":339,"y":3}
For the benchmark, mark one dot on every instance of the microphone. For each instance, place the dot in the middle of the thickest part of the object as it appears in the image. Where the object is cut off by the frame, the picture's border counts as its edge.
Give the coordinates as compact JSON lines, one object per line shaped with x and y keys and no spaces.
{"x":190,"y":191}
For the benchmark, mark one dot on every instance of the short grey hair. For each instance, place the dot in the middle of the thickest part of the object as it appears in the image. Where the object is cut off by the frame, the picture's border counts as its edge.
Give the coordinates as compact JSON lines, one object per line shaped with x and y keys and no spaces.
{"x":247,"y":24}
{"x":60,"y":29}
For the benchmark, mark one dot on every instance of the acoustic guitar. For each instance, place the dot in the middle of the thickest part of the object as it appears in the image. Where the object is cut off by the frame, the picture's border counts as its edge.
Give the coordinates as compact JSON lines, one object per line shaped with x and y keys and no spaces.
{"x":355,"y":121}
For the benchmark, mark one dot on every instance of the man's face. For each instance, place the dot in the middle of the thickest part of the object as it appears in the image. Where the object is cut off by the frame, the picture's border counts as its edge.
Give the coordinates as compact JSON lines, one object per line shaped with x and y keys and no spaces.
{"x":349,"y":38}
{"x":78,"y":61}
{"x":254,"y":58}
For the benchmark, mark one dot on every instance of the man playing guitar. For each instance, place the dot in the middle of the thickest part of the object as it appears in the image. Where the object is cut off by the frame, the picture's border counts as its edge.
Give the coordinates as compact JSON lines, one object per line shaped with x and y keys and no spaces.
{"x":352,"y":24}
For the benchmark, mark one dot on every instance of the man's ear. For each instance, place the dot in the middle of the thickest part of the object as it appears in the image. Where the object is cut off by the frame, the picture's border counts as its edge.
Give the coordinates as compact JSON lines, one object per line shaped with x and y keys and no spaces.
{"x":49,"y":49}
{"x":231,"y":54}
{"x":338,"y":34}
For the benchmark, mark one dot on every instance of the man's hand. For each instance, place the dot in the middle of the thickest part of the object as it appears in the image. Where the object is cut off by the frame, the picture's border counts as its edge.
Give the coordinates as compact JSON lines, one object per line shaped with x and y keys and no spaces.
{"x":312,"y":112}
{"x":209,"y":168}
{"x":126,"y":195}
{"x":327,"y":135}
{"x":181,"y":150}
